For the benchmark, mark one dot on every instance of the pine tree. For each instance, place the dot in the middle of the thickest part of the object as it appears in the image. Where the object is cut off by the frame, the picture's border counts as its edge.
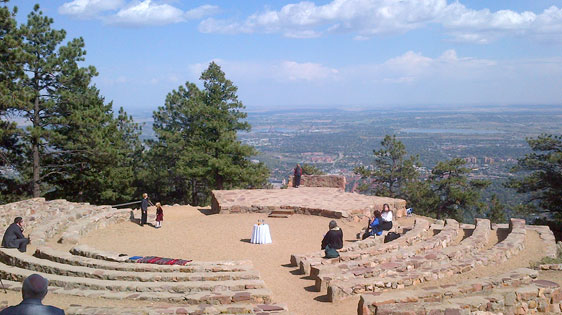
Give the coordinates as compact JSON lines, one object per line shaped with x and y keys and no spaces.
{"x":197,"y":147}
{"x":544,"y":182}
{"x":391,"y":169}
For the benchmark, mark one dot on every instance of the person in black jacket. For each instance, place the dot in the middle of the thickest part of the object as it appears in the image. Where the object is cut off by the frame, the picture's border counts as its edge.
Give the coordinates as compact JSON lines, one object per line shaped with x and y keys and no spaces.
{"x":13,"y":237}
{"x":298,"y":173}
{"x":33,"y":290}
{"x":332,"y":240}
{"x":144,"y":208}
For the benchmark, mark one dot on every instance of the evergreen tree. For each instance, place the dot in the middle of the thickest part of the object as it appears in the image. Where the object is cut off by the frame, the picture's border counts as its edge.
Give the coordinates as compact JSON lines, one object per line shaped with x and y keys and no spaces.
{"x":309,"y":169}
{"x":197,"y":147}
{"x":496,"y":211}
{"x":451,"y":194}
{"x":12,"y":184}
{"x":49,"y":75}
{"x":391,"y":169}
{"x":544,"y":179}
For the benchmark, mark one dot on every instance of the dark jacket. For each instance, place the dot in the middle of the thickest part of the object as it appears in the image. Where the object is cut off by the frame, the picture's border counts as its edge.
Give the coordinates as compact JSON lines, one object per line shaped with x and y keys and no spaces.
{"x":334,"y":238}
{"x":32,"y":307}
{"x":144,"y":204}
{"x":12,"y":233}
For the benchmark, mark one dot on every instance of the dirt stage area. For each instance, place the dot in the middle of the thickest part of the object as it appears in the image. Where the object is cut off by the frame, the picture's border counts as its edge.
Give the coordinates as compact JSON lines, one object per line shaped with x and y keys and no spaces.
{"x":192,"y":233}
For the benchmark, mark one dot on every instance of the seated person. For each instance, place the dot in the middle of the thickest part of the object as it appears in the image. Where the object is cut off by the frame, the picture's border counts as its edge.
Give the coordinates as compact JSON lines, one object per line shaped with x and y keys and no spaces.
{"x":33,"y":290}
{"x":332,"y":240}
{"x":382,"y":221}
{"x":13,"y":237}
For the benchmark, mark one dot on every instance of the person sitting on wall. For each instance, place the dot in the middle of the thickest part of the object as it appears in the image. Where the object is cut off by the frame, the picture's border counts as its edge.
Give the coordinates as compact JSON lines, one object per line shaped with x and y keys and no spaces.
{"x":374,"y":228}
{"x":13,"y":237}
{"x":333,"y":240}
{"x":33,"y":291}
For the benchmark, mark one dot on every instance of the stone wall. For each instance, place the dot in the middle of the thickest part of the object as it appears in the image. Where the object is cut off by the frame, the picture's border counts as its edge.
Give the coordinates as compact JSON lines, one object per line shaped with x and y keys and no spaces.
{"x":333,"y":181}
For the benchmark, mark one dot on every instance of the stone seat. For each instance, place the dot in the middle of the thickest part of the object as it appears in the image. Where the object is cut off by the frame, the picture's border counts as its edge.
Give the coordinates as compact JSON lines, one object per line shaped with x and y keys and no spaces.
{"x":433,"y":268}
{"x":400,"y":259}
{"x":512,"y":292}
{"x":48,"y":253}
{"x":252,"y":296}
{"x":369,"y":246}
{"x":19,"y":274}
{"x":13,"y":257}
{"x":235,"y":308}
{"x":96,"y":221}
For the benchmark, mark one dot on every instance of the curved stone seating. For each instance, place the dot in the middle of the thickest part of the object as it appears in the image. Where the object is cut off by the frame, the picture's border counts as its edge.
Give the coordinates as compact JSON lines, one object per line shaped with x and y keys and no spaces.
{"x":513,"y":293}
{"x":547,"y":238}
{"x":400,"y":259}
{"x":223,"y":297}
{"x":97,"y":221}
{"x":49,"y":229}
{"x":435,"y":267}
{"x":238,"y":308}
{"x":13,"y":257}
{"x":370,"y":246}
{"x":48,"y":253}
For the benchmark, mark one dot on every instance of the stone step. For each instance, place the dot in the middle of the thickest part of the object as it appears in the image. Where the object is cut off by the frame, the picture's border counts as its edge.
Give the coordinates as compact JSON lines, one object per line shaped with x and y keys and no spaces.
{"x":512,"y":292}
{"x":19,"y":274}
{"x":49,"y":253}
{"x":399,"y":260}
{"x":279,"y":216}
{"x":433,"y":269}
{"x":13,"y":257}
{"x":234,"y":308}
{"x":93,"y":222}
{"x":251,"y":296}
{"x":360,"y":249}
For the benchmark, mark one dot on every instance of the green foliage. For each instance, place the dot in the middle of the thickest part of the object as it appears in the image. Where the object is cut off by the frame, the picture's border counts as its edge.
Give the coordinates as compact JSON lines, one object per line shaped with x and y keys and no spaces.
{"x":309,"y":169}
{"x":496,"y":211}
{"x":73,"y":146}
{"x":447,"y":193}
{"x":543,"y":167}
{"x":197,"y":149}
{"x":391,"y":170}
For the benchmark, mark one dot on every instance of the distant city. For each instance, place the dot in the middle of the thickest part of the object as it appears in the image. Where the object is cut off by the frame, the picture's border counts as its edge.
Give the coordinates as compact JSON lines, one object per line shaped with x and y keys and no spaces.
{"x":489,"y":139}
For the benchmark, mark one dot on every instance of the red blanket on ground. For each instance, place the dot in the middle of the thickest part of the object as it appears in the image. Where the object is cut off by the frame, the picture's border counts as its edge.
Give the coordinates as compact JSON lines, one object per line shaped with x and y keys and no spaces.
{"x":162,"y":261}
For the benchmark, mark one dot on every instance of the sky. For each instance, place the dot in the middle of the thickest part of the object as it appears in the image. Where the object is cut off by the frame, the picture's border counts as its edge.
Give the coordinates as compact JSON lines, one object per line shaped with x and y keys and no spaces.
{"x":345,"y":54}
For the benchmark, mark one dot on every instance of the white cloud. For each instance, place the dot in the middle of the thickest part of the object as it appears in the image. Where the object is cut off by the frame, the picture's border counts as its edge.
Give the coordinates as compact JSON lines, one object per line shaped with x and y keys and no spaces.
{"x":366,"y":18}
{"x":89,"y":8}
{"x":147,"y":13}
{"x":135,"y":13}
{"x":307,"y":71}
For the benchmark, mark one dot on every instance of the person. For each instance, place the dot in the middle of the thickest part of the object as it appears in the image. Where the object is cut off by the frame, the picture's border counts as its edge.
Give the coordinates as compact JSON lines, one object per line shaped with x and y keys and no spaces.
{"x":298,"y":174}
{"x":333,"y":240}
{"x":386,"y":216}
{"x":33,"y":291}
{"x":159,"y":215}
{"x":373,"y":228}
{"x":13,"y":237}
{"x":144,"y":208}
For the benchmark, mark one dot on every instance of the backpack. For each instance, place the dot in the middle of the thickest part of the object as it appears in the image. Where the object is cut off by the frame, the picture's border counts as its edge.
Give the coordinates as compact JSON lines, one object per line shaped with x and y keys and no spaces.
{"x":391,"y":236}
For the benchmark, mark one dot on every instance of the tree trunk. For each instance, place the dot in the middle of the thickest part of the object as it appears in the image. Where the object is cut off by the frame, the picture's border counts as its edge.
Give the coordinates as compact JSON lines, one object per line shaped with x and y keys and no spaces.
{"x":35,"y":149}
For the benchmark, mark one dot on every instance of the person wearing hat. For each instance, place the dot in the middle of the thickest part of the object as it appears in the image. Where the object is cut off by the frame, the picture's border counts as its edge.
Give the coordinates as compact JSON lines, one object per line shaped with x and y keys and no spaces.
{"x":33,"y":291}
{"x":333,"y":240}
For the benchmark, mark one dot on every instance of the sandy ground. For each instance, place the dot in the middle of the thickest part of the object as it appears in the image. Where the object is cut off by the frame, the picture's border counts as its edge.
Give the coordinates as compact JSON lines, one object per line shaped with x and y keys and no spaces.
{"x":190,"y":233}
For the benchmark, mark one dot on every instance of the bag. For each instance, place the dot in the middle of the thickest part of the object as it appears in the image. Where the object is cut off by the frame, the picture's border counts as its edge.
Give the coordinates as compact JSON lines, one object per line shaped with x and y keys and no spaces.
{"x":391,"y":236}
{"x":331,"y":252}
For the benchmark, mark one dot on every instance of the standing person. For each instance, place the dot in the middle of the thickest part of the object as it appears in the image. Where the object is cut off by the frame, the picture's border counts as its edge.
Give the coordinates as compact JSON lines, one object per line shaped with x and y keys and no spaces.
{"x":33,"y":290}
{"x":13,"y":237}
{"x":144,"y":208}
{"x":332,"y":240}
{"x":298,"y":174}
{"x":159,"y":215}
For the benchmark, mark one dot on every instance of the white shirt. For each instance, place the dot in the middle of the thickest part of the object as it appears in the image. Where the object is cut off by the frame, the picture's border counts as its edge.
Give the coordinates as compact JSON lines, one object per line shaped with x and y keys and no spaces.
{"x":386,"y":216}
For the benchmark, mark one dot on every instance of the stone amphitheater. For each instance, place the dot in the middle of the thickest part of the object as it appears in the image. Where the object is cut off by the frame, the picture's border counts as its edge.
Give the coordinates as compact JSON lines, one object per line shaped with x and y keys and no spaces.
{"x":435,"y":267}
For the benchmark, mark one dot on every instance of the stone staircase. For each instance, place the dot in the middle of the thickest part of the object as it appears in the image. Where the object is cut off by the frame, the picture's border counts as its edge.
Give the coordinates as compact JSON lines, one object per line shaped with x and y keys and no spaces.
{"x":232,"y":287}
{"x":516,"y":292}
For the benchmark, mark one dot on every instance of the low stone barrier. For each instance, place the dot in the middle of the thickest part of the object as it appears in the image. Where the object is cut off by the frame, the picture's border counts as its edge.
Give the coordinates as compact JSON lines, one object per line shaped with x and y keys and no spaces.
{"x":263,"y":309}
{"x":48,"y":253}
{"x":333,"y":181}
{"x":107,"y":216}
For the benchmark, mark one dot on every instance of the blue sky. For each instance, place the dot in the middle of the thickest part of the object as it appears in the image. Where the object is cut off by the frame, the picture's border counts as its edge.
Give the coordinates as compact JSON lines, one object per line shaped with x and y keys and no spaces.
{"x":341,"y":53}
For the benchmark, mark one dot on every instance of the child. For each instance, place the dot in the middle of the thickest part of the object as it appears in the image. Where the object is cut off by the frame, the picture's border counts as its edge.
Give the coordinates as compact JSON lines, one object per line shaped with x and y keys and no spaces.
{"x":159,"y":215}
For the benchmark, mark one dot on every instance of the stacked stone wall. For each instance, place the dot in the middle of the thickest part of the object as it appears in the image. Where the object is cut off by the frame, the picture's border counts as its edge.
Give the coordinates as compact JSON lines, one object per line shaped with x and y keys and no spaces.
{"x":332,"y":181}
